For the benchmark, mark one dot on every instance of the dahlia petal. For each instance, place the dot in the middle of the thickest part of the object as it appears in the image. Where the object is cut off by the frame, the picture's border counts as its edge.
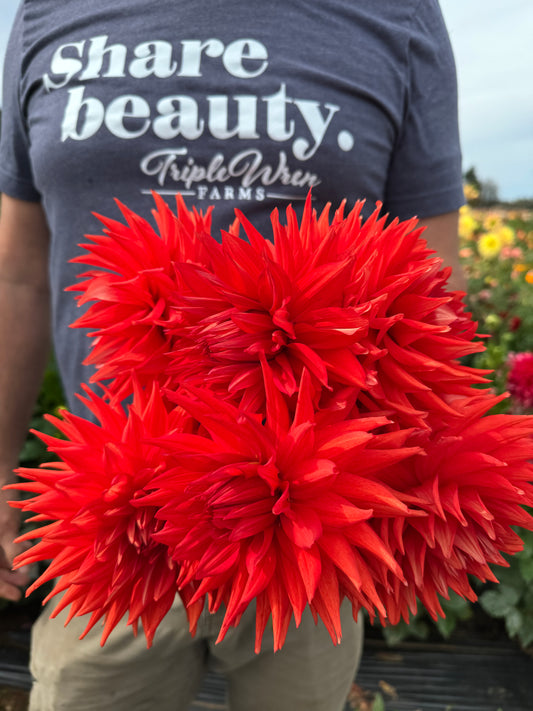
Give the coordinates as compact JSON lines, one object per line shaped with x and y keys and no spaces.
{"x":346,"y":436}
{"x":304,"y":411}
{"x":339,"y":551}
{"x":260,"y":577}
{"x":365,"y":492}
{"x":310,"y":567}
{"x":445,"y":536}
{"x":246,"y":529}
{"x":313,"y":472}
{"x":345,"y":366}
{"x":416,"y":555}
{"x":217,"y":561}
{"x":327,"y":601}
{"x":254,"y":236}
{"x":310,"y":360}
{"x":401,"y":376}
{"x":450,"y":501}
{"x":154,"y":614}
{"x":276,"y":409}
{"x":302,"y":525}
{"x":261,"y":619}
{"x":334,"y":510}
{"x":294,"y":587}
{"x":363,"y":536}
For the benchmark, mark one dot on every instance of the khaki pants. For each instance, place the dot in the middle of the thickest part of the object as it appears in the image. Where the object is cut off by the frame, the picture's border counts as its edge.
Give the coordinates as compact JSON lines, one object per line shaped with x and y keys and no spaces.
{"x":308,"y":674}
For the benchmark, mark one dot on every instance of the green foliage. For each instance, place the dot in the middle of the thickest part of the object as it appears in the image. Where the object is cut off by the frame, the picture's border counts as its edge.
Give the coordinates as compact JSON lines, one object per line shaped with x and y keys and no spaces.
{"x":50,"y":401}
{"x":34,"y":452}
{"x":512,"y":599}
{"x":421,"y":626}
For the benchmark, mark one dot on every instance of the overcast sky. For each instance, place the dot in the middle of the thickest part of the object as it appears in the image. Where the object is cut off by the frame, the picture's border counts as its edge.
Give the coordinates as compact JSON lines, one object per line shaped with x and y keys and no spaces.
{"x":493,"y":44}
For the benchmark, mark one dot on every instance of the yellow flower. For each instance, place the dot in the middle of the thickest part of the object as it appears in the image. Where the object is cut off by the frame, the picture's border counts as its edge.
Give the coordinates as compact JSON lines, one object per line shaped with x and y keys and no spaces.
{"x":492,"y":221}
{"x":520,"y":267}
{"x":467,"y":224}
{"x":489,"y":245}
{"x":471,"y":193}
{"x":506,"y":234}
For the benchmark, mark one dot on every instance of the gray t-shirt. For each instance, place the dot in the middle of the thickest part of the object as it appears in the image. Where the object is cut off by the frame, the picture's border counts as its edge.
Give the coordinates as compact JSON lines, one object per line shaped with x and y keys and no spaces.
{"x":232,"y":103}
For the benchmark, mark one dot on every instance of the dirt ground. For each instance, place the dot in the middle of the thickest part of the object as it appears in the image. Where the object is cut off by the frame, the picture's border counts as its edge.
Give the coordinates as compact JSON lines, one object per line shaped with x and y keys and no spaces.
{"x":13,"y":699}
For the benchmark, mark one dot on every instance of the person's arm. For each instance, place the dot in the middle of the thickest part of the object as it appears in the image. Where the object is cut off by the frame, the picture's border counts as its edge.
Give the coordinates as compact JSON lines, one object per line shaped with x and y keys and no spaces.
{"x":24,"y":349}
{"x":441,"y":234}
{"x":425,"y":172}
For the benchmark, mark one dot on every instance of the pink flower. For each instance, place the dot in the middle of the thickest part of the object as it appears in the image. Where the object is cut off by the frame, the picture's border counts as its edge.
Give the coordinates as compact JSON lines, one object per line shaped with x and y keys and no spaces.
{"x":520,"y":378}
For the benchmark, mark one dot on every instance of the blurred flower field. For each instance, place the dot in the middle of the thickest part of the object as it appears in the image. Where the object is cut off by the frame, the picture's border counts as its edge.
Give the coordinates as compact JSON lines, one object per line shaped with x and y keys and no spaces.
{"x":496,"y":251}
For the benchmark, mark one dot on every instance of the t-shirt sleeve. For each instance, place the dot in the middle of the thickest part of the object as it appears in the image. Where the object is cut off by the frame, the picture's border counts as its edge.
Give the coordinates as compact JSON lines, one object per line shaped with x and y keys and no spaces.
{"x":16,"y":178}
{"x":425,"y":172}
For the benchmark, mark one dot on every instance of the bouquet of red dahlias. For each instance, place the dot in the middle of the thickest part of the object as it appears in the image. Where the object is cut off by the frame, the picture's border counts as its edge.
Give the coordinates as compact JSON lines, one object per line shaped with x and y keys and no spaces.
{"x":300,"y":428}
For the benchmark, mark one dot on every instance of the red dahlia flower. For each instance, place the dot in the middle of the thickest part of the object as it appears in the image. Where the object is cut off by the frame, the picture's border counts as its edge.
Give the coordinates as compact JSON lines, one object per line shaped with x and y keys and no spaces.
{"x":129,"y":287}
{"x":358,"y":304}
{"x":100,"y":540}
{"x":279,"y":511}
{"x":418,"y":330}
{"x":284,"y":300}
{"x":472,"y":480}
{"x":301,"y":430}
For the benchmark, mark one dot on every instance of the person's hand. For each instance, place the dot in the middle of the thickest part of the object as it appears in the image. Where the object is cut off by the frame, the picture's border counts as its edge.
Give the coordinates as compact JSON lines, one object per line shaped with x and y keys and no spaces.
{"x":11,"y":581}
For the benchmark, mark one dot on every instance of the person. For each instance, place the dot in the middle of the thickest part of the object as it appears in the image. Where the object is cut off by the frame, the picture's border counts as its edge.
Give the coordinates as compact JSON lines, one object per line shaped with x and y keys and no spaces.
{"x":234,"y":104}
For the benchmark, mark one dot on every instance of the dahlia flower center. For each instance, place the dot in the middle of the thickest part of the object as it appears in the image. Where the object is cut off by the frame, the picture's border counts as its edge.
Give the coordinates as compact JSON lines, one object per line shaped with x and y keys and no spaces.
{"x":270,"y":474}
{"x":285,"y":331}
{"x":282,"y":505}
{"x":141,"y":527}
{"x":279,"y":340}
{"x":252,"y":497}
